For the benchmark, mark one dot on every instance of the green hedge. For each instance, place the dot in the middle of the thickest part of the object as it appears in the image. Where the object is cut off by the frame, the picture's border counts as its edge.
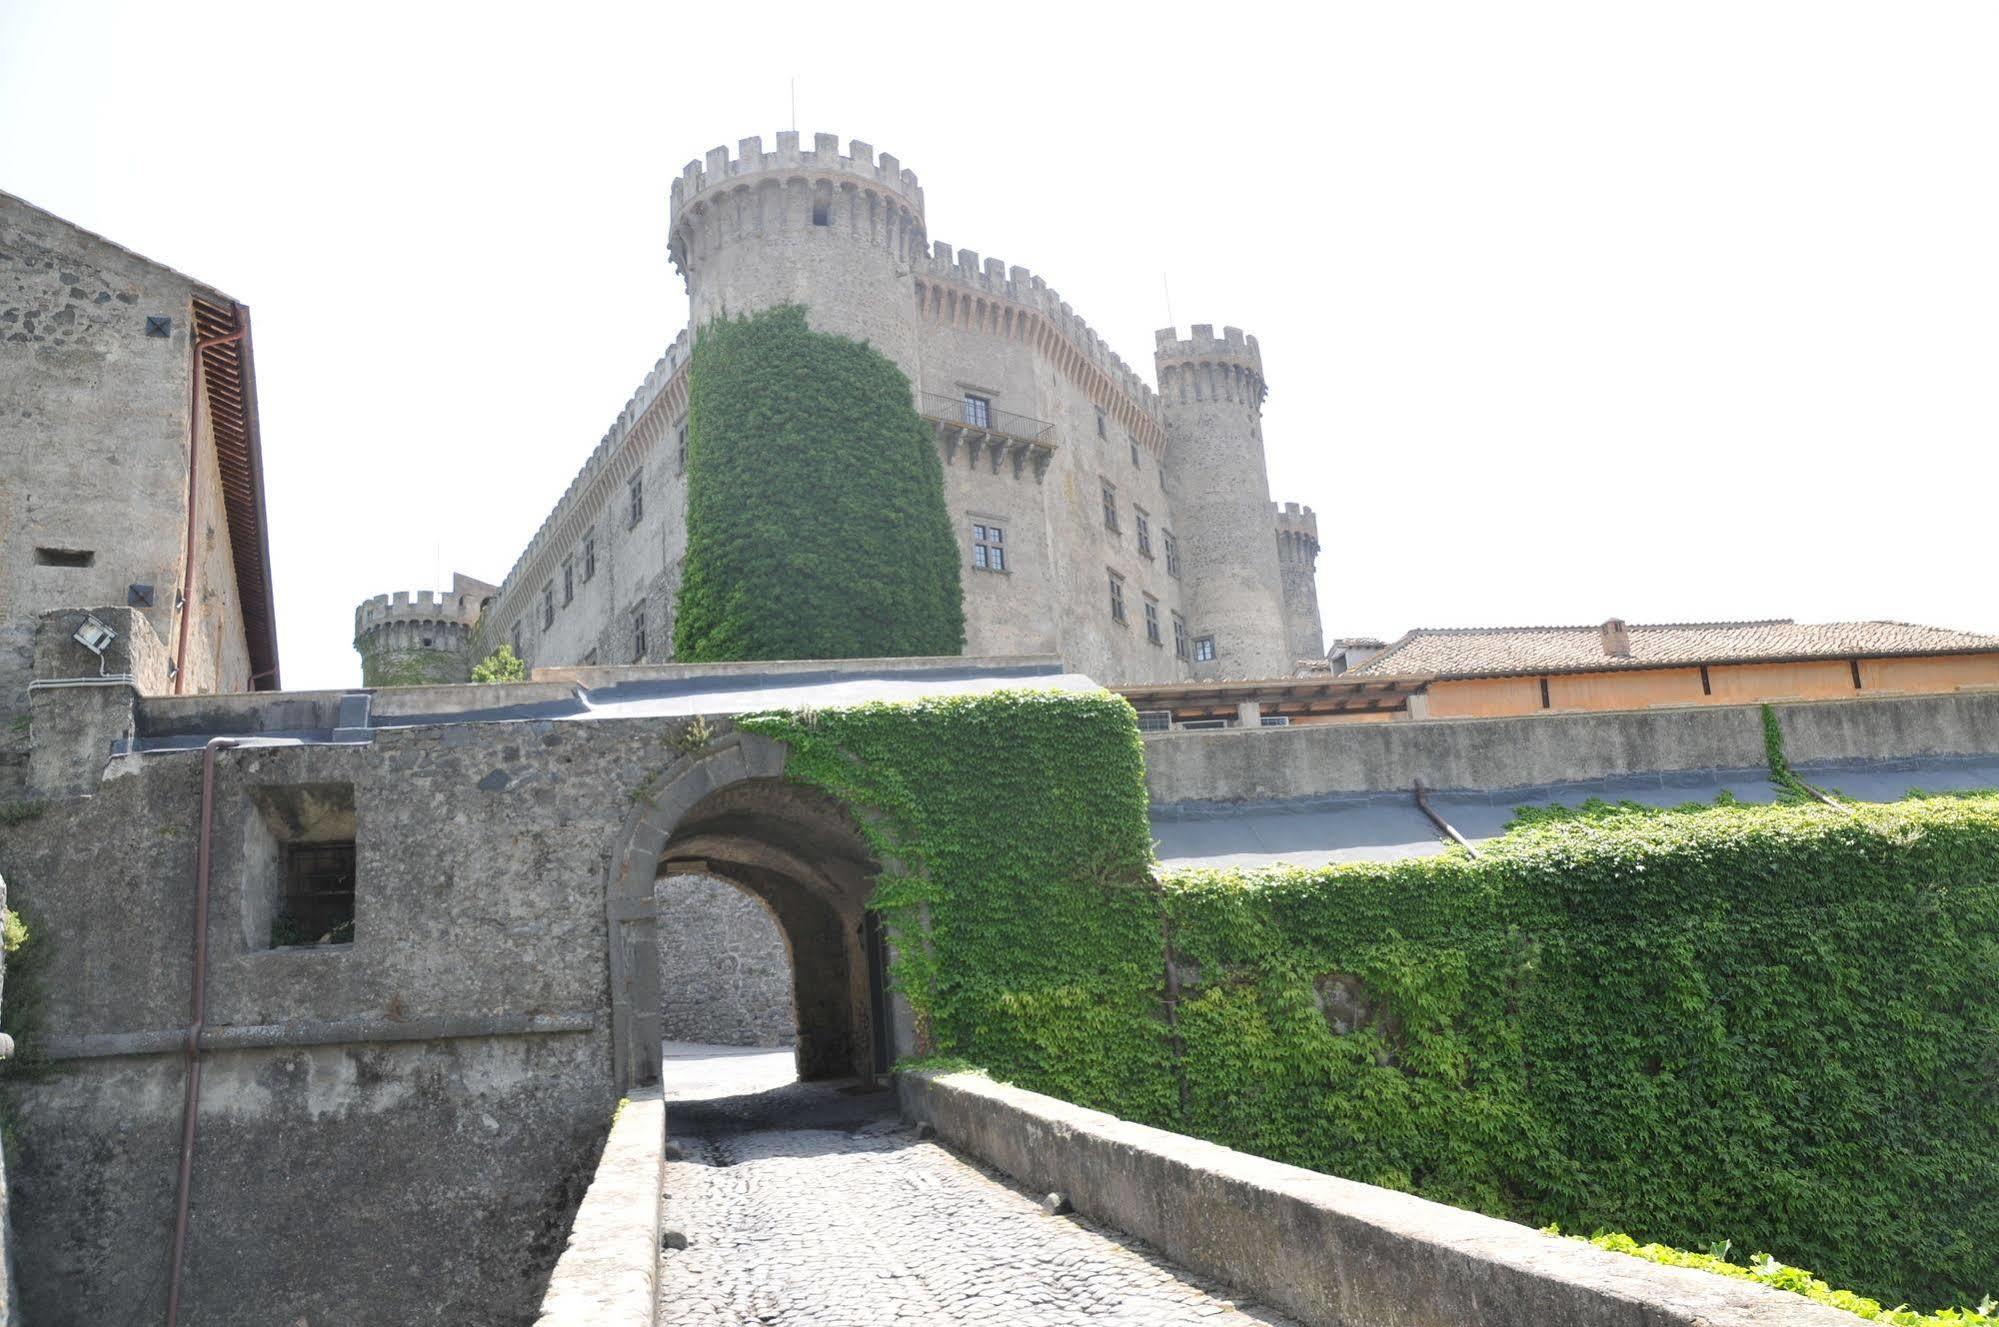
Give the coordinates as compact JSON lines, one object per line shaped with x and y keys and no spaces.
{"x":816,"y":525}
{"x":1777,"y":1025}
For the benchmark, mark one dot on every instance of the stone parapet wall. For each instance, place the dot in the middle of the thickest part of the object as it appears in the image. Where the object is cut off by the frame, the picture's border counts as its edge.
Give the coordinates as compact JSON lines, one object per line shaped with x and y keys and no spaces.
{"x":1259,"y":764}
{"x":1332,"y":1252}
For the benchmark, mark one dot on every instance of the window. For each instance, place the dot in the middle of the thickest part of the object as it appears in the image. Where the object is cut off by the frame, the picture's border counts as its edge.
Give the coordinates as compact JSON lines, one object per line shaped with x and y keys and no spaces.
{"x":317,"y":907}
{"x":589,"y":555}
{"x":1152,"y":619}
{"x":517,"y":642}
{"x":1179,"y":637}
{"x":1204,"y":649}
{"x":548,"y":605}
{"x":680,"y":450}
{"x":65,"y":557}
{"x":978,"y":411}
{"x":1103,"y":429}
{"x":1134,"y":451}
{"x":639,"y":634}
{"x":822,"y":214}
{"x":1172,"y":553}
{"x":1155,"y":721}
{"x":1117,"y":598}
{"x":568,"y":581}
{"x":638,"y":487}
{"x":298,"y":859}
{"x":1143,"y":526}
{"x":1110,"y":508}
{"x":988,"y":547}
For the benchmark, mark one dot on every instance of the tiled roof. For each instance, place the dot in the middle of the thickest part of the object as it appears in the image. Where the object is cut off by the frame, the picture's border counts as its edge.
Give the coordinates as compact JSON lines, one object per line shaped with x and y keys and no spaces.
{"x":1512,"y":651}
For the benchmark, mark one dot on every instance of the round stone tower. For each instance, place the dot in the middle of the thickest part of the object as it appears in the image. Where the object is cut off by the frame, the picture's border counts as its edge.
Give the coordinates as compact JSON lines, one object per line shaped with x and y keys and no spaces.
{"x":406,"y":642}
{"x":1298,"y":564}
{"x":837,"y":234}
{"x":1211,"y":393}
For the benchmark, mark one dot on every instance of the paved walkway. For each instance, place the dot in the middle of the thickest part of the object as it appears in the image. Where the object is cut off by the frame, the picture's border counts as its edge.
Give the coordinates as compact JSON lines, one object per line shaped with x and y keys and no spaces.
{"x":811,"y":1205}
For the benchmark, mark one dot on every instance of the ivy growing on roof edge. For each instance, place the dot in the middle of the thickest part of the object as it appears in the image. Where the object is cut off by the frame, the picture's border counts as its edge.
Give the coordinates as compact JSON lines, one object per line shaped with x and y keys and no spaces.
{"x":1759,"y":1023}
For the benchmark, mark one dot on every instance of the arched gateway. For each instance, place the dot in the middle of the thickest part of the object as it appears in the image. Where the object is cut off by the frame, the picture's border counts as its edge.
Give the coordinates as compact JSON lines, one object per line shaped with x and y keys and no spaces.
{"x":727,"y":811}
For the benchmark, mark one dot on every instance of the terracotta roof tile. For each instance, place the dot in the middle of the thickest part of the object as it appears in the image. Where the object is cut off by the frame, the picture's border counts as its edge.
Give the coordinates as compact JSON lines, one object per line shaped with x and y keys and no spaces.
{"x":1511,"y":651}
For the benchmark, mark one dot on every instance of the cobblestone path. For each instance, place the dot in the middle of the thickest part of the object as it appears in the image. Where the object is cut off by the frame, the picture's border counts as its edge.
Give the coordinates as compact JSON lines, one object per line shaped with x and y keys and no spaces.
{"x":807,"y":1207}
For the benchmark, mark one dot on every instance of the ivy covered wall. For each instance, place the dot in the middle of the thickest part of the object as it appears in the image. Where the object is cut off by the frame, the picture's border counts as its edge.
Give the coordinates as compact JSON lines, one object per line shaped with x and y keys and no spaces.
{"x":1772,"y":1025}
{"x":816,"y":524}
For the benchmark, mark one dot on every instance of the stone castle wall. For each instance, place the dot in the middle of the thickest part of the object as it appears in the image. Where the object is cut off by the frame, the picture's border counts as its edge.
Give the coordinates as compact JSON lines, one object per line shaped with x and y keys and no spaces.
{"x":843,"y":233}
{"x":724,"y":966}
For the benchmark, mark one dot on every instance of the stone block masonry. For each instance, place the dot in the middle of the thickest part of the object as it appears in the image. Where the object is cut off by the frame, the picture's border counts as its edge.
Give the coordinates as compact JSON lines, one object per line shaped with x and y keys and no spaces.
{"x":724,"y":967}
{"x":1330,"y":1251}
{"x":1125,"y":529}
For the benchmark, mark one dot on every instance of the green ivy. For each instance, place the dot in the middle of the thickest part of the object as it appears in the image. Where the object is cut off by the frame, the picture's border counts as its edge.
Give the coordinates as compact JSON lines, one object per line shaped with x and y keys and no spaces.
{"x":502,"y":665}
{"x":1765,"y":1270}
{"x":1773,"y":1023}
{"x":816,"y":524}
{"x":408,"y":668}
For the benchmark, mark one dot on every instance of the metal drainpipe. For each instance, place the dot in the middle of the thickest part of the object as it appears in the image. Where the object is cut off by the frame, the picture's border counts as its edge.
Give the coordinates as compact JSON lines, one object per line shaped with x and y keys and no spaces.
{"x":194,"y":1027}
{"x":195,"y":346}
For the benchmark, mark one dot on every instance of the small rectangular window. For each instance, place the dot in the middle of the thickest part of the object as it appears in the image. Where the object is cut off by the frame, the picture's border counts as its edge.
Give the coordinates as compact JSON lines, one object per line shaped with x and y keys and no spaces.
{"x":589,"y":555}
{"x":988,"y":547}
{"x":638,"y":491}
{"x":1117,"y":598}
{"x":1103,"y":426}
{"x":822,"y":214}
{"x":1110,"y":508}
{"x":680,"y":450}
{"x":978,"y":411}
{"x":65,"y":557}
{"x":548,"y":605}
{"x":1152,"y":620}
{"x":638,"y":635}
{"x":1172,"y":553}
{"x":568,"y":581}
{"x":1179,"y":637}
{"x":317,"y":905}
{"x":1134,"y":451}
{"x":1204,"y":649}
{"x":1142,"y":525}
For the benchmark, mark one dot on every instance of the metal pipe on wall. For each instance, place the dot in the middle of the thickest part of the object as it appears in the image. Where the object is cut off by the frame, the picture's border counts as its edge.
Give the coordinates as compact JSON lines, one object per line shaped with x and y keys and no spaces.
{"x":199,"y":1016}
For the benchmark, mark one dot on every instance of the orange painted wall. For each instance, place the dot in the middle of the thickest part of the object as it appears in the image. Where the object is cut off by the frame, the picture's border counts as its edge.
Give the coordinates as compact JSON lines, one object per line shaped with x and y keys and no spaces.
{"x":1941,"y":674}
{"x":1730,"y":684}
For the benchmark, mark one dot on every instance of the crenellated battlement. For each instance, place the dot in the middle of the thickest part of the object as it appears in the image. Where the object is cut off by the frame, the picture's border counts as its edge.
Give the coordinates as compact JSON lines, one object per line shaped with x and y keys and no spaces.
{"x":419,"y":606}
{"x":1206,"y":367}
{"x":1297,"y":533}
{"x":992,"y":276}
{"x":860,"y":164}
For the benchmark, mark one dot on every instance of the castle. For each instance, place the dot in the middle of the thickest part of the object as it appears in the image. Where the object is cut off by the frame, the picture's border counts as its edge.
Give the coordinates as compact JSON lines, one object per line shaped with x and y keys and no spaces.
{"x":1127,"y":529}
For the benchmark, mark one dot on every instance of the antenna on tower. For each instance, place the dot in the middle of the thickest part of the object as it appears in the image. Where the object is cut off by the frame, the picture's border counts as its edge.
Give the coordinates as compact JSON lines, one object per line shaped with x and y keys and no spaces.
{"x":1168,"y":287}
{"x":794,"y":103}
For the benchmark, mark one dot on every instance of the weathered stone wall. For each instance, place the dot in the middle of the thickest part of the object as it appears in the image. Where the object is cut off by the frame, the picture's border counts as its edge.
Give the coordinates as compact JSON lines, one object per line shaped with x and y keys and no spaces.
{"x":93,"y":462}
{"x":1255,"y":764}
{"x":437,"y":1156}
{"x":724,"y":966}
{"x":744,"y":237}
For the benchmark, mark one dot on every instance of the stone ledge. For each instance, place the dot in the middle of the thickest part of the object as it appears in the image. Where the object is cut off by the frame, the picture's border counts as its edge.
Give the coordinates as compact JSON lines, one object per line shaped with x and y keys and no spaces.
{"x":1329,"y":1251}
{"x":608,"y":1273}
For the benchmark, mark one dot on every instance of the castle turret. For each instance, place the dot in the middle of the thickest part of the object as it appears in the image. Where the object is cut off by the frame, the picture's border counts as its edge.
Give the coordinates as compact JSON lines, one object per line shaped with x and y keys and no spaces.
{"x":1298,"y":565}
{"x":837,"y":234}
{"x":1211,"y":391}
{"x":407,"y":640}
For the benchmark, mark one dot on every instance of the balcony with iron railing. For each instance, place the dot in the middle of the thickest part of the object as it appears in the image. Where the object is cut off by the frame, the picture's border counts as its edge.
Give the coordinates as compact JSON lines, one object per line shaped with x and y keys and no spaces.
{"x":988,"y":434}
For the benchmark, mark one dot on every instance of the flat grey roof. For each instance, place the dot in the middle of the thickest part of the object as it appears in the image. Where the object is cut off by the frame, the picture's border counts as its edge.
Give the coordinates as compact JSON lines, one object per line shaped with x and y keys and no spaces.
{"x":1383,"y":827}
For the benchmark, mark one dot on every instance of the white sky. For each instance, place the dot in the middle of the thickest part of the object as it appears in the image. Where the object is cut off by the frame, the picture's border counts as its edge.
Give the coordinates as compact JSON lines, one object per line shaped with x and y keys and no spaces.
{"x":1666,"y":311}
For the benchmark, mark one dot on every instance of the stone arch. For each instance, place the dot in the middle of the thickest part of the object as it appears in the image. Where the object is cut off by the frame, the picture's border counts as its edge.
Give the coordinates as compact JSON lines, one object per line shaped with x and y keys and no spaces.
{"x":726,"y":811}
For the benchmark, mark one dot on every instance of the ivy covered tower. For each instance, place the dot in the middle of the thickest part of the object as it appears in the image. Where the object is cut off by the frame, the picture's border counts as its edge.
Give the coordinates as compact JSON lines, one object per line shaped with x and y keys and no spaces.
{"x":836,"y":233}
{"x":410,"y":640}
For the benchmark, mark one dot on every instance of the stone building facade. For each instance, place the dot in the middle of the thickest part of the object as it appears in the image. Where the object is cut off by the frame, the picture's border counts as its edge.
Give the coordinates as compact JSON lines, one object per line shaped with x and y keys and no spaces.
{"x":1123,"y":526}
{"x":407,"y":640}
{"x":130,"y":466}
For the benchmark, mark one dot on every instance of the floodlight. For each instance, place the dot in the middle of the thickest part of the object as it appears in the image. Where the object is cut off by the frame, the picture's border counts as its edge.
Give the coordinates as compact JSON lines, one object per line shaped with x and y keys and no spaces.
{"x":95,"y":637}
